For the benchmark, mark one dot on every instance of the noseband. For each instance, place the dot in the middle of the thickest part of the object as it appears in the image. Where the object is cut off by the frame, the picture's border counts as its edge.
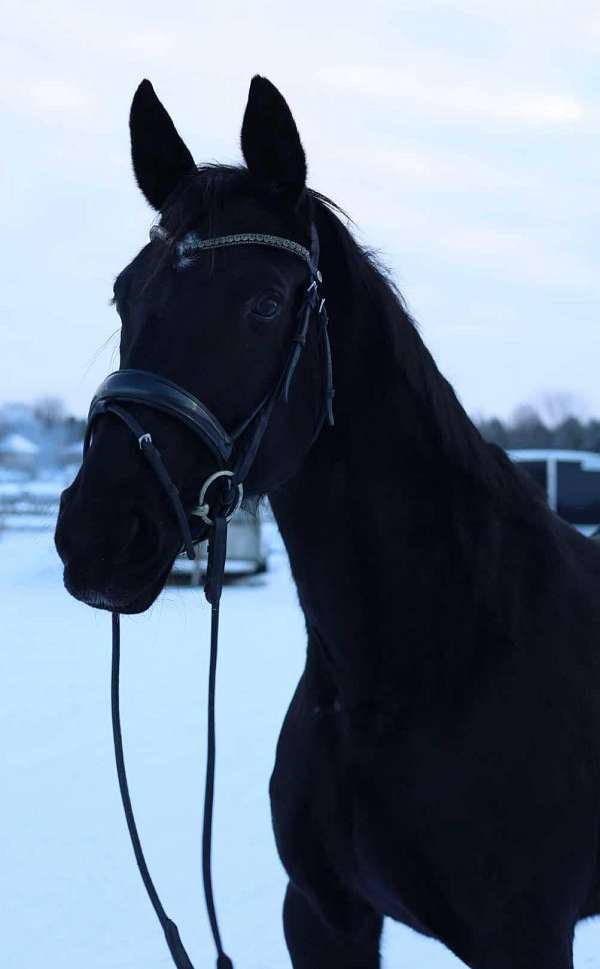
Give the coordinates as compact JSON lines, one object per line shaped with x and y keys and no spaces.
{"x":234,"y":453}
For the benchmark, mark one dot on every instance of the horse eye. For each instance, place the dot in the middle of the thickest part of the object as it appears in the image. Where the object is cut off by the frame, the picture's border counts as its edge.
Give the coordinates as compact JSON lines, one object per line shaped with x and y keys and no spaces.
{"x":266,"y":307}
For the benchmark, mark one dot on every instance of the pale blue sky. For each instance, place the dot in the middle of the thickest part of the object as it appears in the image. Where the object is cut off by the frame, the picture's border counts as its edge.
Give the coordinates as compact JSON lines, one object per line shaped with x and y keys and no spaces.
{"x":461,"y":135}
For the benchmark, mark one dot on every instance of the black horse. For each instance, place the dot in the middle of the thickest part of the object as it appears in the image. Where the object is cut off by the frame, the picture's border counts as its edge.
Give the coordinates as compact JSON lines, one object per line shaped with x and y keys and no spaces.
{"x":440,"y":760}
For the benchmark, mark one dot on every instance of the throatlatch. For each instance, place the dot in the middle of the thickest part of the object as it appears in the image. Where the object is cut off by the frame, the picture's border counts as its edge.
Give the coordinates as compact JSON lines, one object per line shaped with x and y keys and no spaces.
{"x":143,"y":387}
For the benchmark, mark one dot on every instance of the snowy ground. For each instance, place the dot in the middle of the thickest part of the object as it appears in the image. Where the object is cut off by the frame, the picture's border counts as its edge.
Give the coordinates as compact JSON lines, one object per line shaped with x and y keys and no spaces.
{"x":70,"y":894}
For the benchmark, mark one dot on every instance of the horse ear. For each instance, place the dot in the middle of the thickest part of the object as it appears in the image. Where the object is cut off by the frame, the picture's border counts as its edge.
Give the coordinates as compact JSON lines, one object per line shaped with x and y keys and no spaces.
{"x":160,"y":158}
{"x":270,"y":142}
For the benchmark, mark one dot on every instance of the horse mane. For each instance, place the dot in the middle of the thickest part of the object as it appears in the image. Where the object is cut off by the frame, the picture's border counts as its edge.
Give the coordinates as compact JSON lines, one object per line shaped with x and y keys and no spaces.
{"x":204,"y":194}
{"x":450,"y":427}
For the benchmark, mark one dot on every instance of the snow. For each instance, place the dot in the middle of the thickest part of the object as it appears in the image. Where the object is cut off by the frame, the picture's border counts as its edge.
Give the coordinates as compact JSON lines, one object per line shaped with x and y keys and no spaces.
{"x":17,"y":444}
{"x":12,"y":476}
{"x":39,"y":489}
{"x":70,"y":894}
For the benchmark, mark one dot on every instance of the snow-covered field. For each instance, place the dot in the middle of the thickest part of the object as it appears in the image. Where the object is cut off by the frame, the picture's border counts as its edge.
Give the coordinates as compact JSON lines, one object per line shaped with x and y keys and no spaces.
{"x":70,"y":894}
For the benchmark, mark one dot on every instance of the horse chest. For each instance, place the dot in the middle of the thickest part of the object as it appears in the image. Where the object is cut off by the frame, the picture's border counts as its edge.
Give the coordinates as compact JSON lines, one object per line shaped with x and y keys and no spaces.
{"x":398,"y":822}
{"x":329,"y":830}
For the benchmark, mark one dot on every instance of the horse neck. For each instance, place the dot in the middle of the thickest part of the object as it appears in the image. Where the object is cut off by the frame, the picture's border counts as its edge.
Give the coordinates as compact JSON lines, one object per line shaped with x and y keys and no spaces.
{"x":390,"y":522}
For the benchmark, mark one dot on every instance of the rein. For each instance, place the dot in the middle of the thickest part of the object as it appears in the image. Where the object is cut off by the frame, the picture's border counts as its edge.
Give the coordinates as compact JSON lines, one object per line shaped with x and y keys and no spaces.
{"x":143,"y":387}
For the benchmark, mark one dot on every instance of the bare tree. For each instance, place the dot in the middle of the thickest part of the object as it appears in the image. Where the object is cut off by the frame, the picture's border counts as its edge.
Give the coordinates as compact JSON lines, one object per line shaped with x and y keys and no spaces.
{"x":50,"y":411}
{"x":558,"y":406}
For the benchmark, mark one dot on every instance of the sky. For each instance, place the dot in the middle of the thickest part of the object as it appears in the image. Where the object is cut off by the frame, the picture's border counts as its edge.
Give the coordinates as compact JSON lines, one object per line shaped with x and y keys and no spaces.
{"x":462,"y":136}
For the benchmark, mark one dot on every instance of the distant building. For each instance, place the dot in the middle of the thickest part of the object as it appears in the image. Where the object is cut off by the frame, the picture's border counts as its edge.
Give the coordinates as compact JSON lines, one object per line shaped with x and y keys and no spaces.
{"x":18,"y":453}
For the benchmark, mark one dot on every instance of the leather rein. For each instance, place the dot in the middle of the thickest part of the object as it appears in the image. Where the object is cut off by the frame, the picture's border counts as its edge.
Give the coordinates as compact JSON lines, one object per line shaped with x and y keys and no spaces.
{"x":234,"y":454}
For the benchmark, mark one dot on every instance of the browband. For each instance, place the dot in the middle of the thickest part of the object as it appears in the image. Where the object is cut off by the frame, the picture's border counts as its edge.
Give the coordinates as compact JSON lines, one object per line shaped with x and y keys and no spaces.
{"x":192,"y":243}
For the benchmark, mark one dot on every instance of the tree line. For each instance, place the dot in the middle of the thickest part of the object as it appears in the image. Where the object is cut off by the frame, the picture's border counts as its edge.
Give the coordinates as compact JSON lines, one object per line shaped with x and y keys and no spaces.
{"x":528,"y":429}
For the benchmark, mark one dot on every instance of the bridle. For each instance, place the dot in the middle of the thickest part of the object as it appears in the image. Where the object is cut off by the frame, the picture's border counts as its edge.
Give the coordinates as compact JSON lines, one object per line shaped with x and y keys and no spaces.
{"x":234,"y":453}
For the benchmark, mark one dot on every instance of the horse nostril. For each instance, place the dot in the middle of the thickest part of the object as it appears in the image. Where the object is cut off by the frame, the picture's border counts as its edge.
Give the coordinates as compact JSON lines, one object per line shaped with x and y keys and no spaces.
{"x":130,"y":534}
